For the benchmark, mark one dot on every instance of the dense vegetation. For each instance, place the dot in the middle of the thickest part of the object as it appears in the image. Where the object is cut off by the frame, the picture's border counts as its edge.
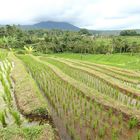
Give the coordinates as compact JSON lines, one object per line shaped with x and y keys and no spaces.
{"x":82,"y":96}
{"x":128,"y":33}
{"x":57,"y":41}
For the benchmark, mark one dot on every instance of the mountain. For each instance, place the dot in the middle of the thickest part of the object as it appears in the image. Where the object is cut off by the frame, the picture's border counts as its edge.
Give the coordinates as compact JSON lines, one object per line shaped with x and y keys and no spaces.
{"x":52,"y":25}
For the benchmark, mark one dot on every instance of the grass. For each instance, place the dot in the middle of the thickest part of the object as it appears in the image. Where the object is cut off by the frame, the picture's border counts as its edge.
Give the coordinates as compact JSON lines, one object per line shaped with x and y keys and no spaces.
{"x":26,"y":133}
{"x":132,"y":123}
{"x":111,"y":71}
{"x":40,"y":111}
{"x":119,"y":60}
{"x":2,"y":119}
{"x":17,"y":118}
{"x":3,"y":54}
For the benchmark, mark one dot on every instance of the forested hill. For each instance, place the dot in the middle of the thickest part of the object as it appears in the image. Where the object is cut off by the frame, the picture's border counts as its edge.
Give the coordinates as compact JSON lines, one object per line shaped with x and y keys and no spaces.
{"x":52,"y":25}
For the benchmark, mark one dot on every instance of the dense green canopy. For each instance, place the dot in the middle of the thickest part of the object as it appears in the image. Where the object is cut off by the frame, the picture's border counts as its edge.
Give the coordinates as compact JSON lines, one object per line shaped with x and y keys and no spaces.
{"x":57,"y":41}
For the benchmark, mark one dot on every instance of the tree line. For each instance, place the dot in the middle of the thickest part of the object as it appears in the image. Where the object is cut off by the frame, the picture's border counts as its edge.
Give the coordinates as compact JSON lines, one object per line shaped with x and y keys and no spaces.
{"x":57,"y":41}
{"x":129,"y":33}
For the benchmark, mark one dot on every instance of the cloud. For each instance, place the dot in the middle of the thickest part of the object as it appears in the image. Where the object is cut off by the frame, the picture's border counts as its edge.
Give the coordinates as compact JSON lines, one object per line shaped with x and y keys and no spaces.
{"x":91,"y":14}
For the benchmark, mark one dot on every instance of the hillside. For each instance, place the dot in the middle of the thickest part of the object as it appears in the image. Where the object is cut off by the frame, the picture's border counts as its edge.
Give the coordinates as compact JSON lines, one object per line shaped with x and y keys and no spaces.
{"x":52,"y":25}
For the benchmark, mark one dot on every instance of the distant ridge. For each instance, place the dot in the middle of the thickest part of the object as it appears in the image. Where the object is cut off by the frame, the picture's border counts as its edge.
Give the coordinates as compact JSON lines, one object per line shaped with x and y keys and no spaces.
{"x":110,"y":32}
{"x":52,"y":25}
{"x":67,"y":26}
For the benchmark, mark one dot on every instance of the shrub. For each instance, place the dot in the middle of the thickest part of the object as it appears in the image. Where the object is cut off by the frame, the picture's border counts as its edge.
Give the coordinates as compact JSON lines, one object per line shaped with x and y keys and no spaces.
{"x":132,"y":123}
{"x":40,"y":111}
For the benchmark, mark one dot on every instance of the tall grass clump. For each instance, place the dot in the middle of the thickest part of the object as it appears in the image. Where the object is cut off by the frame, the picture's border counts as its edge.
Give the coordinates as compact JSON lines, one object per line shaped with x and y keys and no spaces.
{"x":16,"y":117}
{"x":3,"y":119}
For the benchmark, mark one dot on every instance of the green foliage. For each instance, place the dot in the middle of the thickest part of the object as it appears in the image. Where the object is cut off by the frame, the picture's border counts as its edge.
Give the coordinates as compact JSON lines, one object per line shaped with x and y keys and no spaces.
{"x":12,"y":37}
{"x":40,"y":111}
{"x":28,"y":49}
{"x":101,"y":132}
{"x":2,"y":119}
{"x":110,"y":112}
{"x":20,"y":51}
{"x":27,"y":133}
{"x":57,"y":41}
{"x":137,"y":137}
{"x":3,"y":54}
{"x":128,"y":33}
{"x":84,"y":32}
{"x":32,"y":133}
{"x":114,"y":134}
{"x":16,"y":117}
{"x":95,"y":124}
{"x":132,"y":123}
{"x":12,"y":49}
{"x":126,"y":61}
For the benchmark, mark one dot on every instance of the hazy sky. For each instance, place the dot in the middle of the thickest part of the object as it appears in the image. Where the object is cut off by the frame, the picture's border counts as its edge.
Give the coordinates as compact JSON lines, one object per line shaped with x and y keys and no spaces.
{"x":91,"y":14}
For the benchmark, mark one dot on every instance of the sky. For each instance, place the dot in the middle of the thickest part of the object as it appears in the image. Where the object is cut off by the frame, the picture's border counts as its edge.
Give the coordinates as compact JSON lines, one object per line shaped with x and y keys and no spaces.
{"x":90,"y":14}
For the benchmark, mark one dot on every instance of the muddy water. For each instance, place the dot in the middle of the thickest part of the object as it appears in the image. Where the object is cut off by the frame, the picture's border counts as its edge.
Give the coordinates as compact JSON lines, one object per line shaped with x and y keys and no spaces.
{"x":58,"y":122}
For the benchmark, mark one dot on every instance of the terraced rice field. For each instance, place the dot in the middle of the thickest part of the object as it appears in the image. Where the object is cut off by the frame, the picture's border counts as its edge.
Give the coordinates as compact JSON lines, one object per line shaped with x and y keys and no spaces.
{"x":52,"y":98}
{"x":94,"y":101}
{"x":24,"y":113}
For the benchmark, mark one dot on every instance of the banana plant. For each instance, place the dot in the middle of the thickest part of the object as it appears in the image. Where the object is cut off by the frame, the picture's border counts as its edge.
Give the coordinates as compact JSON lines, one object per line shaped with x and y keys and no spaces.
{"x":29,"y":49}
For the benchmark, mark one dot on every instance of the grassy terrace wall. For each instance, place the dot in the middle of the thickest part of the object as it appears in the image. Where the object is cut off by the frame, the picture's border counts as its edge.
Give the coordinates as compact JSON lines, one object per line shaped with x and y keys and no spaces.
{"x":86,"y":112}
{"x":32,"y":105}
{"x":28,"y":95}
